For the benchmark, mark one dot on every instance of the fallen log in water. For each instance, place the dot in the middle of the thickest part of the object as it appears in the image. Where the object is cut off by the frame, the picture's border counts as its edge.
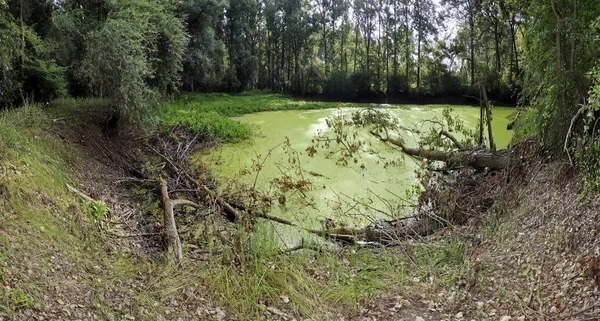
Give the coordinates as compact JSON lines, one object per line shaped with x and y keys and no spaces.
{"x":478,"y":159}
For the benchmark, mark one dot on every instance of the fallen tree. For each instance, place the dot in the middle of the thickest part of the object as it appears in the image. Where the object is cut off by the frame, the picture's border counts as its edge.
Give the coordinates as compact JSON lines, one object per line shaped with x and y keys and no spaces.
{"x":479,"y":158}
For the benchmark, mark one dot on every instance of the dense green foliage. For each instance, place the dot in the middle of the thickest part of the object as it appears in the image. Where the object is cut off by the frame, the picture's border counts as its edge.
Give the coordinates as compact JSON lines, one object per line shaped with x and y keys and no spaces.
{"x":131,"y":51}
{"x":26,"y":72}
{"x":561,"y":47}
{"x":210,"y":112}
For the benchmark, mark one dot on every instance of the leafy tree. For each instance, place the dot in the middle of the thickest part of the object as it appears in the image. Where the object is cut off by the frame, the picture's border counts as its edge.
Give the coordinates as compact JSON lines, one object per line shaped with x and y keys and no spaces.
{"x":424,"y":22}
{"x":26,"y":70}
{"x":240,"y":20}
{"x":203,"y":61}
{"x":560,"y":48}
{"x":9,"y":52}
{"x":136,"y":55}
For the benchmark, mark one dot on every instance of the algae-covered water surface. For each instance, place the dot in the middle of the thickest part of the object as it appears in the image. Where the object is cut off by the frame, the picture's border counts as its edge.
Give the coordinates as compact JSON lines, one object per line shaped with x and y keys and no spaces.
{"x":377,"y":180}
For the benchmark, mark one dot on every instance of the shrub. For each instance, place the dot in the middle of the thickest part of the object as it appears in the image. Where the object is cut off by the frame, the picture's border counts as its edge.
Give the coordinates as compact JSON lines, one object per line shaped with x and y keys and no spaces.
{"x":337,"y":83}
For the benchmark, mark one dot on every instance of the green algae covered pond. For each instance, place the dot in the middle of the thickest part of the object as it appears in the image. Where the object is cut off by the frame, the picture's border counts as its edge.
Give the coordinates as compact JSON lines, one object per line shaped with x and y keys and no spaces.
{"x":380,"y":181}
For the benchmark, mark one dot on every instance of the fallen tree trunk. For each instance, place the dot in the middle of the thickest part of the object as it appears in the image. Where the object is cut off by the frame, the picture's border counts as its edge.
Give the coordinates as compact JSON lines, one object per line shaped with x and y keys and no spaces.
{"x":473,"y":158}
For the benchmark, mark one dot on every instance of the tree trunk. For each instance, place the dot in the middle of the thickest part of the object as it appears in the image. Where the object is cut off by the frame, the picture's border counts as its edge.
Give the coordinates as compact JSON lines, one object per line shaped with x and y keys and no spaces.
{"x":355,"y":47}
{"x":488,"y":113}
{"x":574,"y":32}
{"x":559,"y":22}
{"x":472,"y":41}
{"x":406,"y":40}
{"x":473,"y":158}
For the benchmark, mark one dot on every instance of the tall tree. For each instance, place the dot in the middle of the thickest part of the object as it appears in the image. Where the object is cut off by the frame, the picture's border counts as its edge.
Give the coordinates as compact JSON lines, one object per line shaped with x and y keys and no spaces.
{"x":136,"y":55}
{"x":425,"y":18}
{"x":239,"y":25}
{"x":203,"y":61}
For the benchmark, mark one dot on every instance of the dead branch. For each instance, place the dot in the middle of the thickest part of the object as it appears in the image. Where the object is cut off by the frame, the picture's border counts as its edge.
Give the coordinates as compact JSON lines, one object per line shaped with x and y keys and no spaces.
{"x":171,"y":234}
{"x":304,"y":246}
{"x":488,"y":113}
{"x":588,"y":308}
{"x":569,"y":132}
{"x":458,"y":144}
{"x":79,"y":193}
{"x":135,"y":235}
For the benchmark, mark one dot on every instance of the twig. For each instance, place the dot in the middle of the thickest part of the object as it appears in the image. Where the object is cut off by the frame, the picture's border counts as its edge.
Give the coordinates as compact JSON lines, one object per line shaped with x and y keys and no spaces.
{"x":135,"y":235}
{"x":304,"y":246}
{"x":80,"y":194}
{"x":593,"y":306}
{"x":522,"y":303}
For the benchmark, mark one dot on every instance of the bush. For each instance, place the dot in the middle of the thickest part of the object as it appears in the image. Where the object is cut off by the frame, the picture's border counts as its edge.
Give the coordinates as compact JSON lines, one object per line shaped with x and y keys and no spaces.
{"x":588,"y":144}
{"x":337,"y":83}
{"x":29,"y":73}
{"x":398,"y":84}
{"x":361,"y":83}
{"x":313,"y":80}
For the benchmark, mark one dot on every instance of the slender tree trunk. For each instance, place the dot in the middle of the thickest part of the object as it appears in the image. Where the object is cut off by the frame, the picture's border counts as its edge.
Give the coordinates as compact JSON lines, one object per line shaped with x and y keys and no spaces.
{"x":559,"y":22}
{"x":332,"y":63}
{"x":395,"y":29}
{"x":368,"y":46}
{"x":406,"y":43}
{"x":282,"y":62}
{"x":573,"y":38}
{"x":419,"y":59}
{"x":488,"y":113}
{"x":497,"y":46}
{"x":355,"y":47}
{"x":472,"y":40}
{"x":513,"y":51}
{"x":22,"y":38}
{"x":324,"y":36}
{"x":342,"y":58}
{"x":260,"y":56}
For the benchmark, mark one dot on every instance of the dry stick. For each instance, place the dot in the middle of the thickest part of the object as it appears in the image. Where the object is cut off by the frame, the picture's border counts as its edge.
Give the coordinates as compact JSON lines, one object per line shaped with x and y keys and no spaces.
{"x":593,"y":306}
{"x":80,"y":194}
{"x":573,"y":120}
{"x":488,"y":114}
{"x":453,"y":139}
{"x":135,"y":235}
{"x":173,"y":241}
{"x":522,"y":303}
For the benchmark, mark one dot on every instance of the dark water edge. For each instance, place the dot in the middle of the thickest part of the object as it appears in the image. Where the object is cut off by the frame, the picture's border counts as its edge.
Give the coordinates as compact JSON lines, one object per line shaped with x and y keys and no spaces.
{"x":407,"y":98}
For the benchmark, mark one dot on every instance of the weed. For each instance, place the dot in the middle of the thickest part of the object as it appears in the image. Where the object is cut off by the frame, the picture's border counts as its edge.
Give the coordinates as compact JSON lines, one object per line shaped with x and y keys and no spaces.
{"x":15,"y":299}
{"x":96,"y":209}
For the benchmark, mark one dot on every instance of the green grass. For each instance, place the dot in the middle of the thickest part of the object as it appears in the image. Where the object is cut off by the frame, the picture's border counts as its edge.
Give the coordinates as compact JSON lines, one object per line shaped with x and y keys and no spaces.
{"x":41,"y":222}
{"x":211,"y":111}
